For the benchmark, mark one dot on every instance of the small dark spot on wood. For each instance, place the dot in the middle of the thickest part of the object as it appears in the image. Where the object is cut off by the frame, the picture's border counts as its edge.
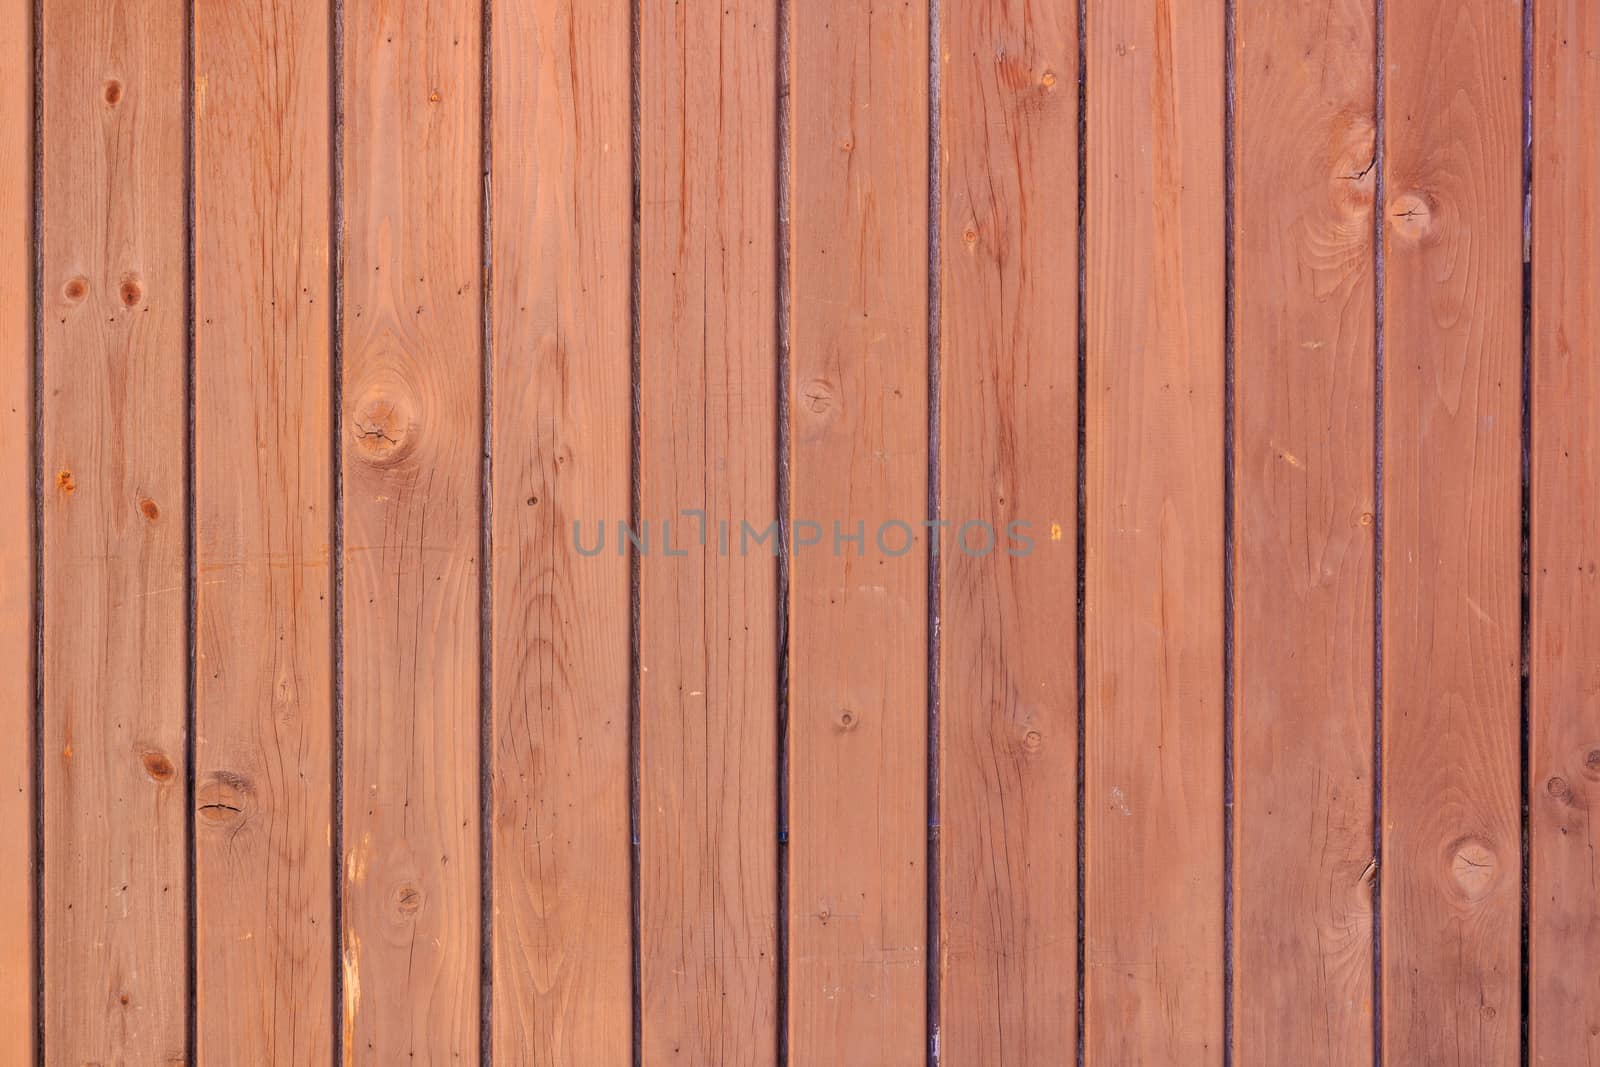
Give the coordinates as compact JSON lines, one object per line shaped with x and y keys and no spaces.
{"x":158,"y":767}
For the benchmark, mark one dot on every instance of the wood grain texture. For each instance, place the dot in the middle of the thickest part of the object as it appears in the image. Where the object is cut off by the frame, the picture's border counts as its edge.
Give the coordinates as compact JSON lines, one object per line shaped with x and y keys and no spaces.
{"x":17,"y":866}
{"x":1451,"y":554}
{"x":1304,"y":378}
{"x":708,"y":639}
{"x":1008,"y":419}
{"x":115,"y":501}
{"x":1154,"y":553}
{"x":859,"y":457}
{"x":411,"y":429}
{"x":562,"y":359}
{"x":1564,"y":633}
{"x":264,"y":505}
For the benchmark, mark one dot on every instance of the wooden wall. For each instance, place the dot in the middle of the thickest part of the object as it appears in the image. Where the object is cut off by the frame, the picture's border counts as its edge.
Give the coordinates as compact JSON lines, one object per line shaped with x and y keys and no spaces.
{"x":1111,"y":489}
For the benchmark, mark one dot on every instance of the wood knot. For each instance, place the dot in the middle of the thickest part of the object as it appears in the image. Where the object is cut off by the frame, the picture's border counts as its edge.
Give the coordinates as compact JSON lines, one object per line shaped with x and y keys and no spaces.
{"x":158,"y":767}
{"x":847,"y":719}
{"x":224,"y":798}
{"x":130,"y":291}
{"x":1591,"y":763}
{"x":1557,"y":787}
{"x":1032,"y":741}
{"x":111,"y":91}
{"x":1474,"y":867}
{"x":75,"y":289}
{"x":817,"y":395}
{"x":385,"y":424}
{"x":149,"y":509}
{"x":969,"y":235}
{"x":407,"y":899}
{"x":1411,"y":216}
{"x":65,"y":483}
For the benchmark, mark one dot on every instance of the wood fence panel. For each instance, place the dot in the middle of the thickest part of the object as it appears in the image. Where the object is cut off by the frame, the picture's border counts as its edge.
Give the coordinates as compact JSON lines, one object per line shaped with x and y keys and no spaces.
{"x":859,"y":455}
{"x":708,"y":639}
{"x":1009,"y":459}
{"x":1451,"y":550}
{"x":1153,"y":614}
{"x":17,"y":867}
{"x":115,"y":500}
{"x":411,"y":431}
{"x":1304,"y":523}
{"x":561,"y":251}
{"x":264,"y":528}
{"x":1564,"y":630}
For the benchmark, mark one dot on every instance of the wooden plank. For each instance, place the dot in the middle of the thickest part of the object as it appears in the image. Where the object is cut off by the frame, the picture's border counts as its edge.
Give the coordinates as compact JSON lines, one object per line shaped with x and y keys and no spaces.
{"x":859,"y":458}
{"x":562,"y":380}
{"x":412,"y":436}
{"x":1304,"y":377}
{"x":708,"y":619}
{"x":17,"y":867}
{"x":1451,"y":553}
{"x":1154,"y":554}
{"x":115,"y":501}
{"x":1563,"y":715}
{"x":264,"y":506}
{"x":1008,"y":418}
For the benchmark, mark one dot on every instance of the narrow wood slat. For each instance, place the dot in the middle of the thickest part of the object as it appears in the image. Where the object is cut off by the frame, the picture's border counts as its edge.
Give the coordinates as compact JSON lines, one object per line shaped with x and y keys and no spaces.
{"x":264,"y":506}
{"x":1564,"y":648}
{"x":1304,"y":378}
{"x":1154,"y":655}
{"x":1451,"y":567}
{"x":859,"y":458}
{"x":17,"y":868}
{"x":115,"y":501}
{"x":708,"y":618}
{"x":411,"y":433}
{"x":561,"y":363}
{"x":1008,"y":418}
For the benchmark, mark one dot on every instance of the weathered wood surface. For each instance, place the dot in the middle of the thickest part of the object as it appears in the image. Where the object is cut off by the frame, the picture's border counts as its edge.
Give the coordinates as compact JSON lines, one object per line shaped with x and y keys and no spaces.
{"x":114,"y":503}
{"x":264,"y":517}
{"x":1451,"y":553}
{"x":1564,"y":629}
{"x":561,"y":372}
{"x":17,"y":867}
{"x":858,"y":618}
{"x":708,"y":642}
{"x":1304,"y":526}
{"x":411,"y":432}
{"x":369,"y":279}
{"x":1154,"y":304}
{"x":1008,"y":680}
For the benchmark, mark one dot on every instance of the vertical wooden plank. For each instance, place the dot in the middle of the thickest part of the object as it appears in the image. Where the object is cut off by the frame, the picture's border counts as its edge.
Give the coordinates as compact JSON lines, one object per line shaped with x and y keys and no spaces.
{"x":1154,"y":553}
{"x":1304,"y":485}
{"x":1564,"y":665}
{"x":1451,"y":554}
{"x":411,"y":427}
{"x":115,"y":502}
{"x":1008,"y":417}
{"x":708,"y":619}
{"x":17,"y":867}
{"x":263,"y":497}
{"x":562,"y":382}
{"x":859,"y":460}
